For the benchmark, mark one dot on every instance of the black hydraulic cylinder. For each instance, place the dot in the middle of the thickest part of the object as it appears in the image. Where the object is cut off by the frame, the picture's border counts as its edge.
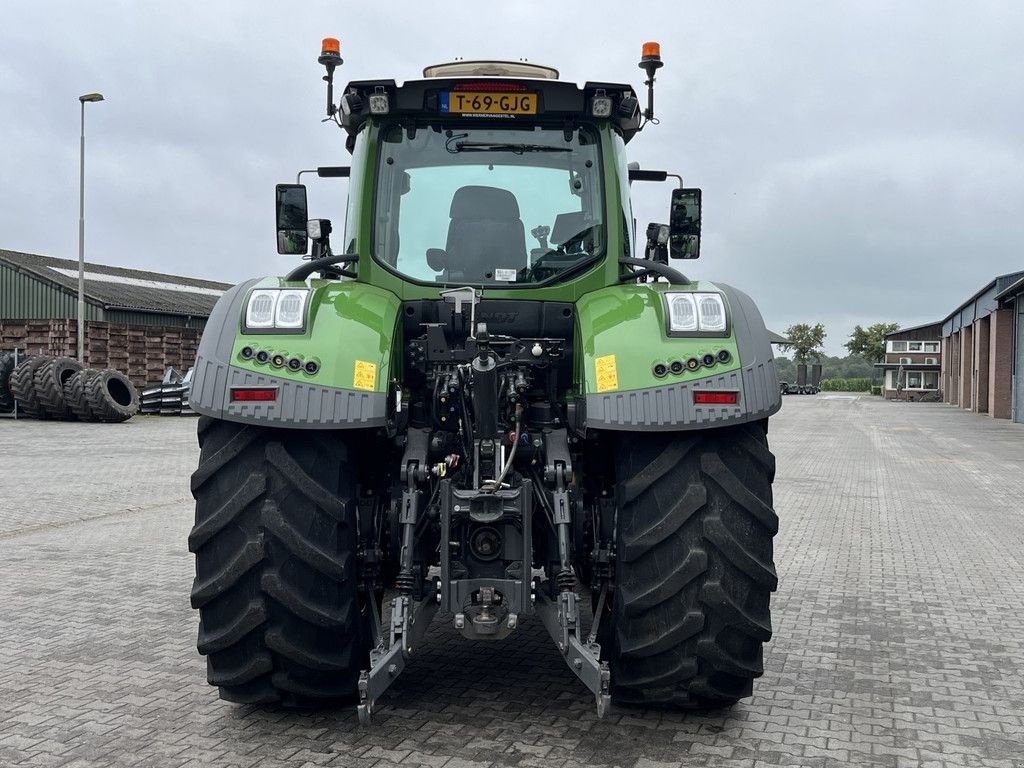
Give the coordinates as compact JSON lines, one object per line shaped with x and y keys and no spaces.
{"x":485,"y":396}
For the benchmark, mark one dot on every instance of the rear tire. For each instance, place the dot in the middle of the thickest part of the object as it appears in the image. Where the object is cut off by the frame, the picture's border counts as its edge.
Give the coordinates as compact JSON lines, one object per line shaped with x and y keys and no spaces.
{"x":6,"y":398}
{"x":111,"y":397}
{"x":276,"y":570}
{"x":694,"y":570}
{"x":75,"y":390}
{"x":50,"y":378}
{"x":23,"y":386}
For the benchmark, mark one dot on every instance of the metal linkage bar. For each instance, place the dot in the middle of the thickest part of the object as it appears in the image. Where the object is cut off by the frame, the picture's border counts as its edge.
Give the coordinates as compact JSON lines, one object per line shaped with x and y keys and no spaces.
{"x":409,"y":622}
{"x":562,"y":620}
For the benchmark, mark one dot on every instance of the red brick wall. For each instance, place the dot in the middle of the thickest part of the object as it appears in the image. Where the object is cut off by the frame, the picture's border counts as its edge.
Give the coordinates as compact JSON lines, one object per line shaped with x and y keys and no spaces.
{"x":981,"y":365}
{"x":945,"y":379}
{"x":1000,"y":361}
{"x":953,"y":395}
{"x":142,"y":353}
{"x":966,"y":361}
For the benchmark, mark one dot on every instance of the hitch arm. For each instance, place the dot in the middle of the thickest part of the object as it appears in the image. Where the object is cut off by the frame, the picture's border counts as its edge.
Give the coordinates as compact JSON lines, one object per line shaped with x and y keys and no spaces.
{"x":409,"y":622}
{"x":561,"y":618}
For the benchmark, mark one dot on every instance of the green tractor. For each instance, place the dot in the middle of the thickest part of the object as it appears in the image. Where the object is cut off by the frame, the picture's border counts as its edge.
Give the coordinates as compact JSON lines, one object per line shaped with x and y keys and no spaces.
{"x":494,"y":403}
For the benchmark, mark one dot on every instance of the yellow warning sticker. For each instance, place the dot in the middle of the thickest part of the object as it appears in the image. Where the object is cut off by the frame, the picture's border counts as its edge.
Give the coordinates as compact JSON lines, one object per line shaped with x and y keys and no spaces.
{"x":607,"y":373}
{"x":365,"y":375}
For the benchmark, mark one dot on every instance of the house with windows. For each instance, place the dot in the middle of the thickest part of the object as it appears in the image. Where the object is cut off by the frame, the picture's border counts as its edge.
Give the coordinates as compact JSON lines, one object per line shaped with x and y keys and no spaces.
{"x":913,"y":361}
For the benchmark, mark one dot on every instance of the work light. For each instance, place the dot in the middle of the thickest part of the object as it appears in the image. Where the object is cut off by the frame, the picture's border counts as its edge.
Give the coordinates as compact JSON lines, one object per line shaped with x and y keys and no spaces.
{"x":696,"y":313}
{"x":380,"y":104}
{"x":277,"y":309}
{"x":290,"y":306}
{"x":601,"y":104}
{"x":260,"y":312}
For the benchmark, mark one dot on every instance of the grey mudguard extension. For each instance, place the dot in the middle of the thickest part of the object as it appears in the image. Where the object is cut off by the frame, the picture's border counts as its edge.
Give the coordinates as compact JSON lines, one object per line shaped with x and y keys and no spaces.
{"x":298,"y":405}
{"x":671,"y":406}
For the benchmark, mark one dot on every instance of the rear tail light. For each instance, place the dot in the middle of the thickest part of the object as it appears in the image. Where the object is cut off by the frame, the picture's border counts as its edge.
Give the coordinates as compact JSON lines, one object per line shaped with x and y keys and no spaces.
{"x":715,"y":398}
{"x":253,"y":394}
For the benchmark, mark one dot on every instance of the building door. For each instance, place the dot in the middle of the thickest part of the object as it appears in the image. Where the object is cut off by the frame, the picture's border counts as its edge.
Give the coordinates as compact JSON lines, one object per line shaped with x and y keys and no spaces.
{"x":1018,"y":366}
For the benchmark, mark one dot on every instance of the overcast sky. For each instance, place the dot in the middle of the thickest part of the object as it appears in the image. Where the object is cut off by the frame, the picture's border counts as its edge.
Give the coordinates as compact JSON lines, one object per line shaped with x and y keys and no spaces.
{"x":861,"y":161}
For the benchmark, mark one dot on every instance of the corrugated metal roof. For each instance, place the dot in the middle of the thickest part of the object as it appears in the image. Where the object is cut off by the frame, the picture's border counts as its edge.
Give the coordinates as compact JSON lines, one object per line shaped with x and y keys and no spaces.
{"x":997,"y":284}
{"x":1012,"y":289}
{"x":121,"y":288}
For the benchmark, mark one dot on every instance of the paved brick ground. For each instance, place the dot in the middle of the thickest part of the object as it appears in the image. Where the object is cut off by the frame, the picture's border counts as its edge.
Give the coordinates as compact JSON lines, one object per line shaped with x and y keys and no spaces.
{"x":899,"y":623}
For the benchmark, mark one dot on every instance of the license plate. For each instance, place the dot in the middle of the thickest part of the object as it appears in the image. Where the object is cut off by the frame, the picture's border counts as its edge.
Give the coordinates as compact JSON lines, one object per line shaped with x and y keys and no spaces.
{"x":471,"y":103}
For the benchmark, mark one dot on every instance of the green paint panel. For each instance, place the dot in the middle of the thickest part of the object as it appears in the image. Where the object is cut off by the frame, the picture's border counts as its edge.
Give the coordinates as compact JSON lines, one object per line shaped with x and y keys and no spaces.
{"x":350,"y":331}
{"x":628,"y":321}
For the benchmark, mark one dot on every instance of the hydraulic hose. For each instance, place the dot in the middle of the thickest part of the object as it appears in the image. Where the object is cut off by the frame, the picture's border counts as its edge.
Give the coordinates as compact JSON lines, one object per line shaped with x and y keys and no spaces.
{"x":496,"y":484}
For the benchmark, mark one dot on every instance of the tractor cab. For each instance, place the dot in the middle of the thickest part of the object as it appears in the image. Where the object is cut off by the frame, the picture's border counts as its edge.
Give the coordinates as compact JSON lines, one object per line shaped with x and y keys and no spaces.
{"x":493,"y":174}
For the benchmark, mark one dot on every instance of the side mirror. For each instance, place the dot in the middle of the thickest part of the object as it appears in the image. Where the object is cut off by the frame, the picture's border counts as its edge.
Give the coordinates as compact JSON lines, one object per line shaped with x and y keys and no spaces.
{"x":684,"y":224}
{"x":292,"y":214}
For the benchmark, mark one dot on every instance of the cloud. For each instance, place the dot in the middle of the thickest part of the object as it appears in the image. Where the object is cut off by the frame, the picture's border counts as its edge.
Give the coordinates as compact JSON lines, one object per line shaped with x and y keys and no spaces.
{"x":860,"y":162}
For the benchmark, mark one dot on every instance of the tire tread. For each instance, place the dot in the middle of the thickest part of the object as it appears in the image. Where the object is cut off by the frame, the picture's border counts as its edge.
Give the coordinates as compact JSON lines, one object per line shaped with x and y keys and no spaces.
{"x":695,"y":569}
{"x":49,"y":380}
{"x":23,"y":386}
{"x":275,"y":583}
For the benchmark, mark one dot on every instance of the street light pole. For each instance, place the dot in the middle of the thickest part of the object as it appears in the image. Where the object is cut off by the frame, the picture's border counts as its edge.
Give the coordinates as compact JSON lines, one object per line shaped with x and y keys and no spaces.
{"x":81,"y":228}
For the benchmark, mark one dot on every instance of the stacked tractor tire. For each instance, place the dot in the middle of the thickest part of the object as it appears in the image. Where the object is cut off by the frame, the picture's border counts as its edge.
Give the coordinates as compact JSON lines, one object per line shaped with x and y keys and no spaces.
{"x":61,"y":388}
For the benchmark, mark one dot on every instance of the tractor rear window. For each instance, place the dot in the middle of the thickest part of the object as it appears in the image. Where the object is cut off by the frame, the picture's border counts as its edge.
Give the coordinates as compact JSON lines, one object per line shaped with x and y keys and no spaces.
{"x":488,"y":206}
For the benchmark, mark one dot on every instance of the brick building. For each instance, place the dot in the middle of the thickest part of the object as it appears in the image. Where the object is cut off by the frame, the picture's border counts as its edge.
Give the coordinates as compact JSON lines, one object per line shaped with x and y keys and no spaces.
{"x":983,"y":350}
{"x":912,"y":362}
{"x":137,"y":322}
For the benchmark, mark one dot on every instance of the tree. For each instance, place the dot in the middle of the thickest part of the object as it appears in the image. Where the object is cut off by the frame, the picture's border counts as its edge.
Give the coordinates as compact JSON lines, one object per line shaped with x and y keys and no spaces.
{"x":870,"y":342}
{"x":805,"y":341}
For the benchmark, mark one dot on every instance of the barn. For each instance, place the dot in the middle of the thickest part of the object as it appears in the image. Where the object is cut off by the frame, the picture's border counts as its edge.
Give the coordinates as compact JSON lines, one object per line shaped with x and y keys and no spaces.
{"x":137,"y":322}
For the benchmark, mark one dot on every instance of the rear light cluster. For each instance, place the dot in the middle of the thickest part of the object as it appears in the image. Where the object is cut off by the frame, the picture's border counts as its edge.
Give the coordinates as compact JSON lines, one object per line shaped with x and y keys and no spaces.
{"x":279,"y":360}
{"x":676,"y":367}
{"x":253,"y":394}
{"x":706,"y":397}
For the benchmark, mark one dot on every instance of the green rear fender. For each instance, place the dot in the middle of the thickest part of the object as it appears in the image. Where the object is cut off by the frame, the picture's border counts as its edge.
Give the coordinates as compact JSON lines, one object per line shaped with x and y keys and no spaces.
{"x":633,"y":375}
{"x":624,"y":340}
{"x":351,"y":338}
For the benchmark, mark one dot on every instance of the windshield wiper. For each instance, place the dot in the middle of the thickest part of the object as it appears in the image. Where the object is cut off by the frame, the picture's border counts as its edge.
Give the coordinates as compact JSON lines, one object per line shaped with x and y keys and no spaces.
{"x":489,"y":146}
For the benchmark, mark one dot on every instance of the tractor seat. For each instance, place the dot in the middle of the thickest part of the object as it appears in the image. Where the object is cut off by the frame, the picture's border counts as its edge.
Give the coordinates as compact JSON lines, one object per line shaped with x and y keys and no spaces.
{"x":485,"y":233}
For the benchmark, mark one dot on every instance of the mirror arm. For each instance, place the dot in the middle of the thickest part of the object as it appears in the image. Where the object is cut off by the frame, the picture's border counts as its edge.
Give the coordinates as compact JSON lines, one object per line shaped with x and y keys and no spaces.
{"x":319,"y":265}
{"x":652,"y":267}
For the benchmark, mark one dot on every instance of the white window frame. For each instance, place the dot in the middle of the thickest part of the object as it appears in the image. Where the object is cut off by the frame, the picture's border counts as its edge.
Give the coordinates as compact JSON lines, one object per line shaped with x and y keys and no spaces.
{"x":912,"y":348}
{"x":931,"y":346}
{"x":920,"y":380}
{"x":894,"y":348}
